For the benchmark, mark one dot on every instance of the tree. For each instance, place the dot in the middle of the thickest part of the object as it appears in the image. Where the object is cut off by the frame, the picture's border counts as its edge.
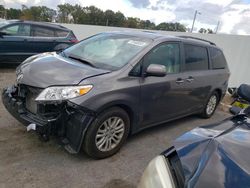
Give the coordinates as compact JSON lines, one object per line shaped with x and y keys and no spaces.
{"x":202,"y":30}
{"x":210,"y":31}
{"x":163,"y":26}
{"x":119,"y":19}
{"x":132,"y":22}
{"x":109,"y":16}
{"x":78,"y":14}
{"x":38,"y":13}
{"x":65,"y":11}
{"x":13,"y":13}
{"x":145,"y":24}
{"x":149,"y":25}
{"x":2,"y":11}
{"x":171,"y":27}
{"x":180,"y":27}
{"x":96,"y":16}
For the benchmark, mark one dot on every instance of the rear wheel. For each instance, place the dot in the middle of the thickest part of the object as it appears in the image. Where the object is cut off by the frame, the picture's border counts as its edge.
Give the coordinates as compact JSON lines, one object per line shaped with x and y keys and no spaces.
{"x":107,"y":133}
{"x":211,"y":105}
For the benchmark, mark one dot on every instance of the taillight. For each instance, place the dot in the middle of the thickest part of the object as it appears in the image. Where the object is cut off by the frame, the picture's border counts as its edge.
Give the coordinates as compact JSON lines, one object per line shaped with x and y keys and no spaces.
{"x":74,"y":40}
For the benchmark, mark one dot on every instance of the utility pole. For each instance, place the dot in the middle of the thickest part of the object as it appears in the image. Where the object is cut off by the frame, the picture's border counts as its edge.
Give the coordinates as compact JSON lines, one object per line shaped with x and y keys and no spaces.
{"x":195,"y":14}
{"x":217,"y":27}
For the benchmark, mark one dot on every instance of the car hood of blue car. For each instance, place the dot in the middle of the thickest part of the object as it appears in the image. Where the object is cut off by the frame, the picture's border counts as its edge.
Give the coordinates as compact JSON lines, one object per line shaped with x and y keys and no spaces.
{"x":216,"y":155}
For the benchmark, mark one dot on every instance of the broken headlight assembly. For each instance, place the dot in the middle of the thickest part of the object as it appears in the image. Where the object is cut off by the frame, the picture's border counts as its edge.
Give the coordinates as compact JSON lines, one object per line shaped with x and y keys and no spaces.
{"x":59,"y":93}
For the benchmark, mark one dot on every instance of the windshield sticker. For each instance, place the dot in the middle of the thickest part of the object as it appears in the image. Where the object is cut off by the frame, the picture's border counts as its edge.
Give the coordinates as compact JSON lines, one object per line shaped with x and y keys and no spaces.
{"x":137,"y":43}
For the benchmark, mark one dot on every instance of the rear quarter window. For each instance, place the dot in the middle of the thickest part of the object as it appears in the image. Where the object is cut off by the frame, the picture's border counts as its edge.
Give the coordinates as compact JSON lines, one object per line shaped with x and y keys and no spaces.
{"x":196,"y":57}
{"x":43,"y":32}
{"x":60,"y":33}
{"x":217,"y":59}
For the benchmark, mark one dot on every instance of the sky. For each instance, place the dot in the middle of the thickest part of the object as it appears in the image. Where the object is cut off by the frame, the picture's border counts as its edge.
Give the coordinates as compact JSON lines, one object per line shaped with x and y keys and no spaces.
{"x":233,"y":15}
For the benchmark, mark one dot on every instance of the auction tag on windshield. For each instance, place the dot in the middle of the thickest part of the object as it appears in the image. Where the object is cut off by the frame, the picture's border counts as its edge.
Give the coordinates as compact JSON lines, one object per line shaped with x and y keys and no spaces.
{"x":137,"y":43}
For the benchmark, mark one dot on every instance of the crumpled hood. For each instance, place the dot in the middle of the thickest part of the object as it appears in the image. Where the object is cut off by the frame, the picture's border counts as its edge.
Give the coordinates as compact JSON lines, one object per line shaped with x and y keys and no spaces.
{"x":216,"y":155}
{"x":49,"y":69}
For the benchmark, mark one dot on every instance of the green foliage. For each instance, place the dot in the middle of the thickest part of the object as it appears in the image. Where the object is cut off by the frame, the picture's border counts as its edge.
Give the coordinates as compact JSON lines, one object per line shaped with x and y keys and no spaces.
{"x":13,"y":13}
{"x":38,"y":13}
{"x":91,"y":15}
{"x":171,"y":27}
{"x":2,"y":11}
{"x":202,"y":30}
{"x":64,"y":12}
{"x":210,"y":31}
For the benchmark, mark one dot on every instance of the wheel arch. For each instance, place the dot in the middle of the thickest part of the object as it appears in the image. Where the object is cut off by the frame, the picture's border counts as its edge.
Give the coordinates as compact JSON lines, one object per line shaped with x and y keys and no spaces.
{"x":126,"y":107}
{"x":219,"y":92}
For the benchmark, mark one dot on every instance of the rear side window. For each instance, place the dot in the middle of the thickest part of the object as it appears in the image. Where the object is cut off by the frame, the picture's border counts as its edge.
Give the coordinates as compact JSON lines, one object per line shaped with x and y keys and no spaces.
{"x":24,"y":30}
{"x":196,"y":57}
{"x":60,"y":33}
{"x":43,"y":32}
{"x":217,"y":58}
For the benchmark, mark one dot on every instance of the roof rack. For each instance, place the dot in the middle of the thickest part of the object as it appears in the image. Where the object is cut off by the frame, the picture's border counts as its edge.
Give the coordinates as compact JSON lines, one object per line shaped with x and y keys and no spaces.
{"x":195,"y":38}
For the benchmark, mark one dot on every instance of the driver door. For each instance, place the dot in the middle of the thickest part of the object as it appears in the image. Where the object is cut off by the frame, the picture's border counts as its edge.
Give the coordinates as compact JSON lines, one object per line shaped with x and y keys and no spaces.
{"x":14,"y":44}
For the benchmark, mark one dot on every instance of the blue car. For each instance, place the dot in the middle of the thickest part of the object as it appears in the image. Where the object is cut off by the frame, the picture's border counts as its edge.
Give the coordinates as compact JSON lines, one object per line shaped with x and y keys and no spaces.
{"x":22,"y":39}
{"x":216,"y":155}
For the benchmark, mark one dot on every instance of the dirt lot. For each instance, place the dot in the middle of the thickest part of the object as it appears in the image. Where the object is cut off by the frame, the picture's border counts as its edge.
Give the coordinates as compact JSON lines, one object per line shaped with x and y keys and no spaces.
{"x":25,"y":161}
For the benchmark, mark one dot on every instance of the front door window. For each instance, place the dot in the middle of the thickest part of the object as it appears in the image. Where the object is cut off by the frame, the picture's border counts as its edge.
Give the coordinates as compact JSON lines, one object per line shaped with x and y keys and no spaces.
{"x":167,"y":54}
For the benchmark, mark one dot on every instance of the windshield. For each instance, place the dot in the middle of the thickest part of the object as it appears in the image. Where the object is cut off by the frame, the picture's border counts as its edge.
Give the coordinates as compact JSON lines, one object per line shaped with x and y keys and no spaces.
{"x":108,"y":51}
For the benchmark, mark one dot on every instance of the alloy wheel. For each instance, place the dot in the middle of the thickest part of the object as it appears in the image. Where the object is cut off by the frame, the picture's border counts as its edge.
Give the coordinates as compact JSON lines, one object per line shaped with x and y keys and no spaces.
{"x":211,"y":105}
{"x":110,"y":134}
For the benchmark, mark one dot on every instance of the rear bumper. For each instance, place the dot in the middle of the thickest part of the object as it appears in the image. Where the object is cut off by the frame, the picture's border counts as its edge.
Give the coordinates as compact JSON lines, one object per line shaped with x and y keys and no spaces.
{"x":69,"y":123}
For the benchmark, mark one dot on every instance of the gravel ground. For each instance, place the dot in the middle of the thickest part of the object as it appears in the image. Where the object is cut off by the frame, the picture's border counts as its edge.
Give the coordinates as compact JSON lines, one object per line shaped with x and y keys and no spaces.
{"x":25,"y":161}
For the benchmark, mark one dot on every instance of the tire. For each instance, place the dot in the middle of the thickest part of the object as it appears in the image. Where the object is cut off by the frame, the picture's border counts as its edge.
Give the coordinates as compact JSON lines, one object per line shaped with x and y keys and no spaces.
{"x":114,"y":121}
{"x":211,"y":105}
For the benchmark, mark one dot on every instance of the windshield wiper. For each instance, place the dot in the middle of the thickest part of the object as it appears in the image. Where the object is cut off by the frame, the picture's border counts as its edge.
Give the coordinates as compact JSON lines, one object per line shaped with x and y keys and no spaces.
{"x":82,"y":60}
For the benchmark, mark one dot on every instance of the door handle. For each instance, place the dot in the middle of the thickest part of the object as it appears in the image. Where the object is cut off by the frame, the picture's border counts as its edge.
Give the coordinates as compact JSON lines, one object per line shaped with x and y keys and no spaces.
{"x":190,"y":79}
{"x":179,"y":81}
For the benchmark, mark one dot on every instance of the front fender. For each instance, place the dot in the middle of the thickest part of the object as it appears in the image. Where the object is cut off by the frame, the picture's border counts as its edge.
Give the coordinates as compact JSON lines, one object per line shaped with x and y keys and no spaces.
{"x":129,"y":101}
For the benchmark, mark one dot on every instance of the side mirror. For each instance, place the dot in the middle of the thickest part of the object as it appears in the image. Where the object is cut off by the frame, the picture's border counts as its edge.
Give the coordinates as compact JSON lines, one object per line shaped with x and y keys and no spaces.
{"x":156,"y":70}
{"x":2,"y":34}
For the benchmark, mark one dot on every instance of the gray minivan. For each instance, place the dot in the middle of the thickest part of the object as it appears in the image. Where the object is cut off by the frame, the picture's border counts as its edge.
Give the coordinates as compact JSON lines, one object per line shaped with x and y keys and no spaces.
{"x":97,"y":92}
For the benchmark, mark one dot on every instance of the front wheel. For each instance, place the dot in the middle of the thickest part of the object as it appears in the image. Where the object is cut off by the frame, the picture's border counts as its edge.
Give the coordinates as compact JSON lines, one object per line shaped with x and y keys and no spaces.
{"x":107,"y":133}
{"x":211,"y":105}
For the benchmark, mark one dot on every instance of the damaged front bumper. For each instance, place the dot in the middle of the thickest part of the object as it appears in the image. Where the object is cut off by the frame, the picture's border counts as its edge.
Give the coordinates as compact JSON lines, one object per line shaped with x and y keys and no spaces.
{"x":65,"y":120}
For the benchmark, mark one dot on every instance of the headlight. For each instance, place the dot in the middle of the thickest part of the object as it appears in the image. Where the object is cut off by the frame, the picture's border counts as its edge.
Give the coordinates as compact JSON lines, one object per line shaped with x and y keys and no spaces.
{"x":157,"y":174}
{"x":63,"y":92}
